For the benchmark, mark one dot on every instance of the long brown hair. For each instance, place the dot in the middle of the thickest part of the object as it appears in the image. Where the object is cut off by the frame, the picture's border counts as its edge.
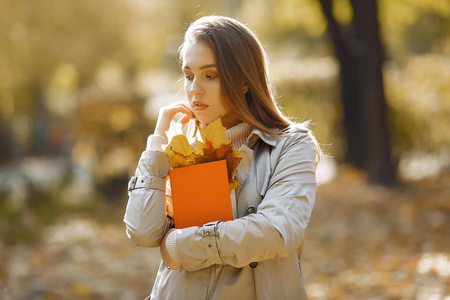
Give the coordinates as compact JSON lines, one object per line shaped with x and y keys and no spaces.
{"x":242,"y":67}
{"x":243,"y":72}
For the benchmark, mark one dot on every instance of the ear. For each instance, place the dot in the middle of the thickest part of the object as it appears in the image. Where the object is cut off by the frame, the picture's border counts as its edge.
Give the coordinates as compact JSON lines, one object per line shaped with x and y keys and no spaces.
{"x":245,"y":88}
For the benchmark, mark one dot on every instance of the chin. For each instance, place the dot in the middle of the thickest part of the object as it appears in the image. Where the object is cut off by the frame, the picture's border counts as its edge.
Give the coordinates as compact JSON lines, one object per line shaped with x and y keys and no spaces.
{"x":206,"y":121}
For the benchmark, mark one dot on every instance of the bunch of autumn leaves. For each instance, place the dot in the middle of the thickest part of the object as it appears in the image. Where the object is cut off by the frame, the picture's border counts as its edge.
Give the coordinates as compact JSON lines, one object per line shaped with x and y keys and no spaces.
{"x":213,"y":147}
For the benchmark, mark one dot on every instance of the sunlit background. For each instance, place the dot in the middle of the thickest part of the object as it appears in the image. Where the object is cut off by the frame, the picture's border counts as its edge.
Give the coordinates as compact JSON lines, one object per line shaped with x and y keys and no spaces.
{"x":81,"y":83}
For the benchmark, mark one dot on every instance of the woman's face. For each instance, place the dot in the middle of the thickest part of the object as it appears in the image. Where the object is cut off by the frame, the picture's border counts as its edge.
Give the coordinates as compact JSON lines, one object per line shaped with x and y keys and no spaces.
{"x":202,"y":85}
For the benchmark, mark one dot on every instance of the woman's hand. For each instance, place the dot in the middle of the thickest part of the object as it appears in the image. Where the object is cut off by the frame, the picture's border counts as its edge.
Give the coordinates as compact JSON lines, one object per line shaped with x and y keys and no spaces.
{"x":167,"y":113}
{"x":173,"y":265}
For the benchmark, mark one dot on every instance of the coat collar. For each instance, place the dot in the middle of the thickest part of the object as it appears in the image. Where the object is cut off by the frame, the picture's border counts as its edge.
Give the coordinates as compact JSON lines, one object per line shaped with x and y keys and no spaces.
{"x":258,"y":134}
{"x":245,"y":166}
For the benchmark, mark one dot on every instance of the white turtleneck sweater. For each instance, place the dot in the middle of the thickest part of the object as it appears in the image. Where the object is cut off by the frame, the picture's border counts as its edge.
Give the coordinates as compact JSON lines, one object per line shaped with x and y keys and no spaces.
{"x":237,"y":134}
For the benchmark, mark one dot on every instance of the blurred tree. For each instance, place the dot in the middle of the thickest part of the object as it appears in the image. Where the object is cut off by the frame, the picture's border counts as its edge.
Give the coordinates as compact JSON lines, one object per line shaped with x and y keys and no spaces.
{"x":52,"y":51}
{"x":360,"y":53}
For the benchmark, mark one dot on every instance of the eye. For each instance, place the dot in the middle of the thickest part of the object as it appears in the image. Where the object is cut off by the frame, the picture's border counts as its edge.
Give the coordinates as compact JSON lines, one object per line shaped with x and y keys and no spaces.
{"x":188,"y":76}
{"x":211,"y":76}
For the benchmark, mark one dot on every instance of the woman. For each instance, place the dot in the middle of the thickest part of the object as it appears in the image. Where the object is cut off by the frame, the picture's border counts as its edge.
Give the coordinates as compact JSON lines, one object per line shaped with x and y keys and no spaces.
{"x":256,"y":255}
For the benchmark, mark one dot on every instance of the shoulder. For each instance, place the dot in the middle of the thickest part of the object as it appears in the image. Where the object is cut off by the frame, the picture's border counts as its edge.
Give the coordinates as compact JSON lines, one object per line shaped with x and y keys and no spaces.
{"x":296,"y":132}
{"x":297,"y":136}
{"x":298,"y":140}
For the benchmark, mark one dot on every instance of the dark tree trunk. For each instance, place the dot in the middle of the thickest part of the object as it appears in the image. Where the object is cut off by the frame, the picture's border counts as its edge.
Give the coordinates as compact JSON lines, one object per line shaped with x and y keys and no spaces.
{"x":360,"y":53}
{"x":6,"y":143}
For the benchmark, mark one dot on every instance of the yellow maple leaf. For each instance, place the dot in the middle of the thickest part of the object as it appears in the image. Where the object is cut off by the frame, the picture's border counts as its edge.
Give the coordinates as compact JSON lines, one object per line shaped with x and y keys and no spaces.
{"x":233,"y":184}
{"x":179,"y":144}
{"x":215,"y":133}
{"x":198,"y":148}
{"x":177,"y":160}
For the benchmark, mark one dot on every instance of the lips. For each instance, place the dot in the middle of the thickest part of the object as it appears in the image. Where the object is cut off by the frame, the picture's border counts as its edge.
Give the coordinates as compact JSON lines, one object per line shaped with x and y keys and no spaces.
{"x":199,"y":105}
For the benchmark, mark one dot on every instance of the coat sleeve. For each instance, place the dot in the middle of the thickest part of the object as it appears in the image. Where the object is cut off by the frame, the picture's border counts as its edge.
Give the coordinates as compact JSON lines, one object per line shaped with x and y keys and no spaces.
{"x":145,"y":216}
{"x":276,"y":230}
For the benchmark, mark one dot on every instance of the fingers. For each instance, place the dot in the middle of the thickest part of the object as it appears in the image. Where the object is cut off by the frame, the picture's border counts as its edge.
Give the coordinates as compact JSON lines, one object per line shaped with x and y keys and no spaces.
{"x":178,"y":107}
{"x":175,"y":266}
{"x":167,"y":113}
{"x":185,"y":119}
{"x":186,"y":109}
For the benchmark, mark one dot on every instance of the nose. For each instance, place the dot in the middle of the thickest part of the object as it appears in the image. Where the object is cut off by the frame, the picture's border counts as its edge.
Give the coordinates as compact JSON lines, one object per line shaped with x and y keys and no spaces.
{"x":196,"y":88}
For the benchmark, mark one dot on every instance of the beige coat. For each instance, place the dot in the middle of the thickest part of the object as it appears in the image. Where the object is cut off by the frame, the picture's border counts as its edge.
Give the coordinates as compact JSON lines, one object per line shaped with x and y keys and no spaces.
{"x":255,"y":256}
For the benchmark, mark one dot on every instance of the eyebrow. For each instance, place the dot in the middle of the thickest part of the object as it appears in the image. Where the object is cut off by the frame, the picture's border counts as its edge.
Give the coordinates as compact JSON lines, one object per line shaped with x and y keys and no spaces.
{"x":203,"y":67}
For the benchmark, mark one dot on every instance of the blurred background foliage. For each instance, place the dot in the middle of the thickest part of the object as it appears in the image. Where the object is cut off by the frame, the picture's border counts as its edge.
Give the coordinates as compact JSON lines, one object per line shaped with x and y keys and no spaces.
{"x":81,"y":83}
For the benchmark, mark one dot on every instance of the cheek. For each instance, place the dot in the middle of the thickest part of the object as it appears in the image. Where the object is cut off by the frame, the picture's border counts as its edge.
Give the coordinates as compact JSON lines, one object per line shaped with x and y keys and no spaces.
{"x":223,"y":108}
{"x":223,"y":103}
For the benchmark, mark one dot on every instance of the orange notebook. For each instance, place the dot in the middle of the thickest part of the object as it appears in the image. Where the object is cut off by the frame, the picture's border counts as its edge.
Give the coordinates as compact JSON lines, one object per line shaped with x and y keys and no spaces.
{"x":200,"y":194}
